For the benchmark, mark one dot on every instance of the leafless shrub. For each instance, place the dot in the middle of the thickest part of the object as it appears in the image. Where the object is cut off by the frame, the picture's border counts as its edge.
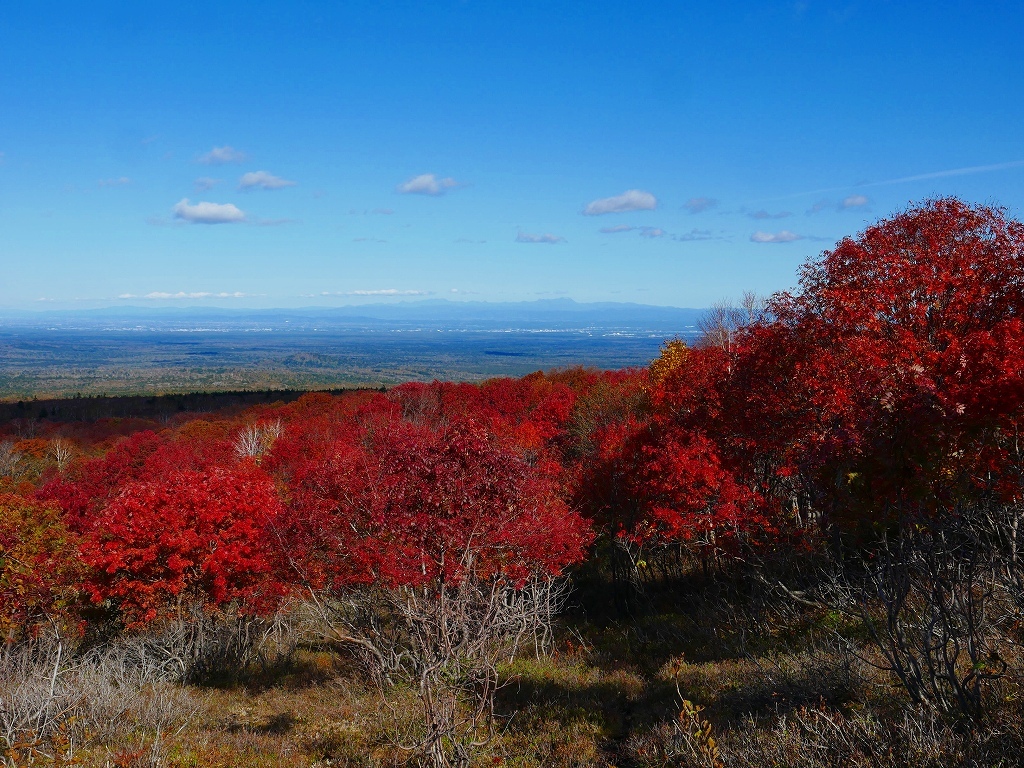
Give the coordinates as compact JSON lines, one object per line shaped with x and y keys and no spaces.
{"x":61,"y":451}
{"x":52,"y":700}
{"x":816,"y":737}
{"x":450,"y":645}
{"x":36,"y":697}
{"x":939,"y":601}
{"x":535,"y":606}
{"x":447,"y":642}
{"x":925,"y":600}
{"x":823,"y":737}
{"x":718,"y":327}
{"x":820,"y":736}
{"x":199,"y":645}
{"x":11,"y":461}
{"x":723,"y":321}
{"x":125,"y":690}
{"x":256,"y":440}
{"x":1001,"y":527}
{"x":159,"y":710}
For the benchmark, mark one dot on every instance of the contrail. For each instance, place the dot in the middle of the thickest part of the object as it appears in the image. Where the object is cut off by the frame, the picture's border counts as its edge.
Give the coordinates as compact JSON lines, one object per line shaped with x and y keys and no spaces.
{"x":955,"y":172}
{"x":904,"y":179}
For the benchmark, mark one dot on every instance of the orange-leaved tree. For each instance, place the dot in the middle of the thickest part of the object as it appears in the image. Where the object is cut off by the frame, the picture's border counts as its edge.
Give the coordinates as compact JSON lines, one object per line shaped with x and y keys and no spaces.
{"x":40,"y":573}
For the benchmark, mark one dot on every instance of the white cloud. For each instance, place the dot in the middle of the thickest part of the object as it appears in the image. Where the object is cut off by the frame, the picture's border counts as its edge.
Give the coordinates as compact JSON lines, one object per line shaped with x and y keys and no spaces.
{"x":785,"y":236}
{"x":263,"y":180}
{"x":651,"y":232}
{"x":162,"y":295}
{"x":160,"y":221}
{"x":222,"y":156}
{"x":526,"y":237}
{"x":178,"y":295}
{"x":853,"y":201}
{"x":695,"y":235}
{"x":378,"y":292}
{"x":427,"y":184}
{"x":630,"y":200}
{"x":118,"y":182}
{"x":205,"y":183}
{"x":700,"y":204}
{"x":763,"y":214}
{"x":207,"y":213}
{"x":273,"y":222}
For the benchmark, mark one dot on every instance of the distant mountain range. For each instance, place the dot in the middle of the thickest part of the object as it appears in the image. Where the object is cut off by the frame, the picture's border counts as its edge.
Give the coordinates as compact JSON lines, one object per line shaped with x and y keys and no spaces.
{"x":543,"y":315}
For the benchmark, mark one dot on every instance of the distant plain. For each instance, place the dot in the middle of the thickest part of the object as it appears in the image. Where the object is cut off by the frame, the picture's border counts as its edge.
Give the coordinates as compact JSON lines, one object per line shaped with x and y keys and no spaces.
{"x":147,"y":352}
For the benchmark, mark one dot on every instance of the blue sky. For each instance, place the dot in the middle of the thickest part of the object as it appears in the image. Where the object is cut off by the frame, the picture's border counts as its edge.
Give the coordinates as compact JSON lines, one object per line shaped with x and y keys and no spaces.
{"x":302,"y":153}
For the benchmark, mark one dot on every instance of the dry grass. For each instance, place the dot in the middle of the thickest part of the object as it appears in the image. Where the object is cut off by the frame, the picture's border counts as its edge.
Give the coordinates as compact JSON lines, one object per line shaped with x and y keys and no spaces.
{"x":767,"y":688}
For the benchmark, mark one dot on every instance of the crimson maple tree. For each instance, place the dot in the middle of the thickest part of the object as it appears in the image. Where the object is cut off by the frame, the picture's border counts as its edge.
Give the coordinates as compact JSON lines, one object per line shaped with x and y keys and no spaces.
{"x":893,"y":382}
{"x":406,"y":503}
{"x":191,"y":538}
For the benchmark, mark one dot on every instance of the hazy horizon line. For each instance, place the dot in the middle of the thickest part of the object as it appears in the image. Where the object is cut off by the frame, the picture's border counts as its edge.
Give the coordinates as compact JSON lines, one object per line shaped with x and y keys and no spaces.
{"x":328,"y":307}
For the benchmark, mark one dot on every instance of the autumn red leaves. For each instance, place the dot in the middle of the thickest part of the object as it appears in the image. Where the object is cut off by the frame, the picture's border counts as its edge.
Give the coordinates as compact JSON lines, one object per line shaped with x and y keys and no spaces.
{"x":410,"y":509}
{"x":891,"y":383}
{"x":408,"y":489}
{"x":898,"y":371}
{"x":192,"y":537}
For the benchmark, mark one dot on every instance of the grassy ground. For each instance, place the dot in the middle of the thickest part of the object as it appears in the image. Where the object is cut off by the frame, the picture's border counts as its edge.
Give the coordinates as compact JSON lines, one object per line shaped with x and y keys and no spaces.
{"x":679,"y":680}
{"x":565,"y":711}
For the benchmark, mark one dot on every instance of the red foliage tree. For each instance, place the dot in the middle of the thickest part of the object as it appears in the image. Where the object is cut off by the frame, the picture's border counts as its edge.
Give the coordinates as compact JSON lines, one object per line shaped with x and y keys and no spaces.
{"x":190,"y":538}
{"x":895,"y":380}
{"x":686,"y":495}
{"x":405,"y":503}
{"x":608,"y":407}
{"x":84,"y":490}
